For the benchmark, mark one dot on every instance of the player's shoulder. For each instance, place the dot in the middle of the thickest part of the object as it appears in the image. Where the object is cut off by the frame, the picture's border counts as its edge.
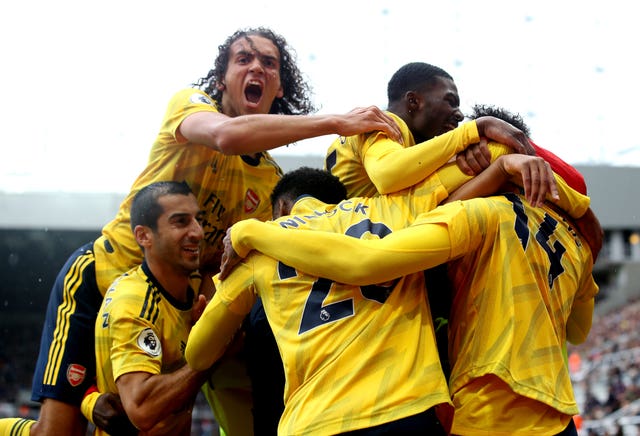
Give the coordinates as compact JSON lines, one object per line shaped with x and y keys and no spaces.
{"x":129,"y":292}
{"x":192,"y":98}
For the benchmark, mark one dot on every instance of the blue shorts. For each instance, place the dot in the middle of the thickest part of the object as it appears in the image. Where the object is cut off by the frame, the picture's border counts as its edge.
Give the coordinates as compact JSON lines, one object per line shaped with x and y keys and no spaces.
{"x":66,"y":363}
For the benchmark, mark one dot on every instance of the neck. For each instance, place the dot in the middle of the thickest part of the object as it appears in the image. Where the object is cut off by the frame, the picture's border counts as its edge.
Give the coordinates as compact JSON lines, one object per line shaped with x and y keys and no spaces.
{"x":173,"y":280}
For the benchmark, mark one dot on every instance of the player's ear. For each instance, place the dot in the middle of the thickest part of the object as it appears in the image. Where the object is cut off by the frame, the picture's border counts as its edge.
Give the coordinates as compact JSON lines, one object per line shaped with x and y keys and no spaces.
{"x":413,"y":101}
{"x":282,"y":208}
{"x":143,"y":235}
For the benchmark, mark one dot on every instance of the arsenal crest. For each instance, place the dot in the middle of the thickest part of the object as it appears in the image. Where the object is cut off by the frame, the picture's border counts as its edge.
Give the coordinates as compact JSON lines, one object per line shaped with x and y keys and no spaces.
{"x":251,"y":201}
{"x":76,"y":374}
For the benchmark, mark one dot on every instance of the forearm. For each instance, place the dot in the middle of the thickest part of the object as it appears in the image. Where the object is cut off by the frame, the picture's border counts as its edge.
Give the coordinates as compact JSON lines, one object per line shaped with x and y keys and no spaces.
{"x":392,"y":169}
{"x":247,"y":134}
{"x":486,"y":183}
{"x":255,"y":133}
{"x":571,"y":201}
{"x":211,"y":334}
{"x":149,"y":398}
{"x":492,"y":180}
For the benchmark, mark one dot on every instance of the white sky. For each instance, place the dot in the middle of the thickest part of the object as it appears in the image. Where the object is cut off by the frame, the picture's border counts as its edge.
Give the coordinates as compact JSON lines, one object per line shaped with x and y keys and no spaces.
{"x":84,"y":85}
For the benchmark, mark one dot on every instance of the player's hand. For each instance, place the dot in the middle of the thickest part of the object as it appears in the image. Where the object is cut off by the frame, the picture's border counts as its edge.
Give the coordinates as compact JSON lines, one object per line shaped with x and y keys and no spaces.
{"x":500,"y":131}
{"x":474,"y":158}
{"x":198,"y":308}
{"x":109,"y":415}
{"x":229,"y":256}
{"x":534,"y":174}
{"x":368,"y":119}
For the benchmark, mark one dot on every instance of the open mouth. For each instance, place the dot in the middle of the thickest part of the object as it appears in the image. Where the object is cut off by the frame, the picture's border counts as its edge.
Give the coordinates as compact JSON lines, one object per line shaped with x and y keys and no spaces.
{"x":253,"y":92}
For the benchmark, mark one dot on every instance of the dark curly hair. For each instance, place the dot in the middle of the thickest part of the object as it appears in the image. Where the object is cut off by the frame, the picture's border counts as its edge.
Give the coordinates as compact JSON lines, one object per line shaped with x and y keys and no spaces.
{"x":296,"y":99}
{"x":487,"y":110}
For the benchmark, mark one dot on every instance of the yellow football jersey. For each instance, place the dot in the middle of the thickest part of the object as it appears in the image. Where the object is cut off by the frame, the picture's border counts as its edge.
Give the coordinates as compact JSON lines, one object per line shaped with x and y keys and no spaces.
{"x":514,"y":296}
{"x":141,"y":327}
{"x":362,"y":356}
{"x":228,"y":189}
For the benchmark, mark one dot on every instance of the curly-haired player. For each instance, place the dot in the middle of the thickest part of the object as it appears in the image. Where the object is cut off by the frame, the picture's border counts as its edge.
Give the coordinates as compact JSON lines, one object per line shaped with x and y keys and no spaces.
{"x":295,"y":99}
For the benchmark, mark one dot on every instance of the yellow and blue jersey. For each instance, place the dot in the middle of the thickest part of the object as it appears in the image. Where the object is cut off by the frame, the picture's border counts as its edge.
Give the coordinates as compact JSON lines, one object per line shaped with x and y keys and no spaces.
{"x":142,"y":328}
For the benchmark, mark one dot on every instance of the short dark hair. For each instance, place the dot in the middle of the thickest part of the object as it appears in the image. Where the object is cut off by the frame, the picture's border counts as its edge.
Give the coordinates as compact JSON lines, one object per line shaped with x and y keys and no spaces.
{"x":296,"y":99}
{"x":320,"y":184}
{"x":145,"y":209}
{"x":487,"y":110}
{"x":414,"y":76}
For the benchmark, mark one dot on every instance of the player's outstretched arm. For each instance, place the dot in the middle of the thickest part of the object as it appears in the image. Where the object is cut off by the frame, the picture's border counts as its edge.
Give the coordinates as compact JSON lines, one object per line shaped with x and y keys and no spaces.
{"x":489,"y":182}
{"x":427,"y":243}
{"x":248,"y":134}
{"x":533,"y":173}
{"x":393,"y":167}
{"x":211,"y":334}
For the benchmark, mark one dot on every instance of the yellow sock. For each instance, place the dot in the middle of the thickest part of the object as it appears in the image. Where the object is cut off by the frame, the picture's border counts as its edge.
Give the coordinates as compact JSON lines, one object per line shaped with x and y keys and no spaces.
{"x":15,"y":426}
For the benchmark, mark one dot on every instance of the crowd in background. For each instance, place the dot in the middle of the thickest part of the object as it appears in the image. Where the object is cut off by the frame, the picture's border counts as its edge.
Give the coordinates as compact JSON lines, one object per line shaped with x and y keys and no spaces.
{"x":606,"y":373}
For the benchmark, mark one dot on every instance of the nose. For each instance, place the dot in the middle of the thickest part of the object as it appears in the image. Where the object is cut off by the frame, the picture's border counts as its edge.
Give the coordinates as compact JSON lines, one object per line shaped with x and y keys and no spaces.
{"x":196,"y":230}
{"x":256,"y":66}
{"x":458,"y":115}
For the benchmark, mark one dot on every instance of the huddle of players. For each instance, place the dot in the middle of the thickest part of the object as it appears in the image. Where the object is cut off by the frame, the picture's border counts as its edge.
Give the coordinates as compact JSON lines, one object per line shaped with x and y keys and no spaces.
{"x":358,"y":357}
{"x":351,"y":320}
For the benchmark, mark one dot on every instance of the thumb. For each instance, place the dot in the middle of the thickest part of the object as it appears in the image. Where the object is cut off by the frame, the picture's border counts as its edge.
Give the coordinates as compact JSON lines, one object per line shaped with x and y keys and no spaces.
{"x":198,"y":308}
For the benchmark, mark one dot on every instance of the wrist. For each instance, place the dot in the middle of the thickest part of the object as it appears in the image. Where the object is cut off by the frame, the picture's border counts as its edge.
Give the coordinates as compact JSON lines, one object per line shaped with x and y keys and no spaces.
{"x":480,"y":124}
{"x":473,"y":132}
{"x":502,"y":163}
{"x":89,"y":403}
{"x":238,"y":238}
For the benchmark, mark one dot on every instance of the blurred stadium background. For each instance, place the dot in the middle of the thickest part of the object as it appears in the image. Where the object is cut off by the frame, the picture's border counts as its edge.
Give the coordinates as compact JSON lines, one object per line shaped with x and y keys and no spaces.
{"x":39,"y":230}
